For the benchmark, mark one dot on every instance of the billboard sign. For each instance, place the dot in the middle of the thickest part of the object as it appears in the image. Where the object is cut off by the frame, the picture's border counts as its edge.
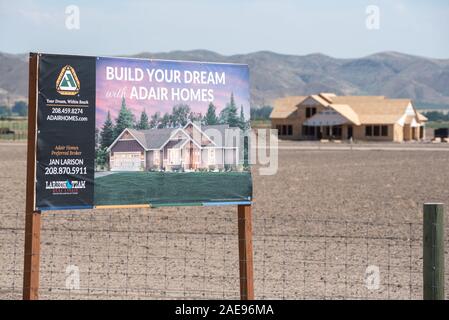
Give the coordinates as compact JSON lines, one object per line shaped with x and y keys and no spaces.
{"x":123,"y":132}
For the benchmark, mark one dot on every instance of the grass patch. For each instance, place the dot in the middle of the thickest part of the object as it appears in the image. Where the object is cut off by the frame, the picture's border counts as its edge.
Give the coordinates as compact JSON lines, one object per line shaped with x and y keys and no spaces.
{"x":18,"y":128}
{"x":14,"y":125}
{"x":437,"y":124}
{"x":125,"y":188}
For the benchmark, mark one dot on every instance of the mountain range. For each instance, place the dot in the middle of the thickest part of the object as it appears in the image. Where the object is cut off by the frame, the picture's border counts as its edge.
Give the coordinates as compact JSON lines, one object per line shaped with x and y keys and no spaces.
{"x":273,"y":75}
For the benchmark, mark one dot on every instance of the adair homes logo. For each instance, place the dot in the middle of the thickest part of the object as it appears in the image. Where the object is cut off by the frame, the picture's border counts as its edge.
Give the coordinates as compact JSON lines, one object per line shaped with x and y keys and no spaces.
{"x":67,"y":83}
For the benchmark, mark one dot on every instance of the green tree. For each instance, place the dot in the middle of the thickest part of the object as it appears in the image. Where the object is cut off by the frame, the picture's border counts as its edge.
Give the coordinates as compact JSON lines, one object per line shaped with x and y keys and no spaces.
{"x":5,"y":111}
{"x":229,"y":114}
{"x":143,"y":123}
{"x":124,"y":120}
{"x":97,"y":138}
{"x":242,"y":121}
{"x":20,"y":108}
{"x":196,"y":117}
{"x":101,"y":157}
{"x":261,"y":113}
{"x":180,"y":115}
{"x":155,"y":120}
{"x":436,"y":116}
{"x":107,"y":132}
{"x":211,"y":117}
{"x":165,"y":121}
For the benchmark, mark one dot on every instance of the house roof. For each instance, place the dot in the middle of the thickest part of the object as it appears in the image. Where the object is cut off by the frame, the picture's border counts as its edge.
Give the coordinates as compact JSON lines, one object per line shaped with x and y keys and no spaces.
{"x":157,"y":138}
{"x":322,"y":100}
{"x":357,"y":109}
{"x":347,"y":112}
{"x":176,"y":144}
{"x":223,"y":129}
{"x":327,"y":96}
{"x":352,"y":99}
{"x":421,"y":117}
{"x":152,"y":138}
{"x":285,"y":107}
{"x":378,"y":111}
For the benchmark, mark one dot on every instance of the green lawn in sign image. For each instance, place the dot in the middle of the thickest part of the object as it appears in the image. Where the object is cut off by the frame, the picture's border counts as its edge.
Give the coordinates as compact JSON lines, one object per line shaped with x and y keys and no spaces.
{"x":126,"y":188}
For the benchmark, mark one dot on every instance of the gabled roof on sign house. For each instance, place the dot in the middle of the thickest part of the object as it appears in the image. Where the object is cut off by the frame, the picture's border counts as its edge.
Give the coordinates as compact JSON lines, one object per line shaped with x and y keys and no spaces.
{"x":153,"y":139}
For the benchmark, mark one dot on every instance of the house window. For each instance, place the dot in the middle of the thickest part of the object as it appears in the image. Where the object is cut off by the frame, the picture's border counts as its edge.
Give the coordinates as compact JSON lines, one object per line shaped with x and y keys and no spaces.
{"x":308,"y":131}
{"x":384,"y":131}
{"x":310,"y":112}
{"x":368,"y":131}
{"x":376,"y":131}
{"x":289,"y":130}
{"x":284,"y":130}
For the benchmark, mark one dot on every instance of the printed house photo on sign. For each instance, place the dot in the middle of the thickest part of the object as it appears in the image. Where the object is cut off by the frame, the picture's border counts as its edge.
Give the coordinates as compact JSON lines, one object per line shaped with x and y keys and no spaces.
{"x":171,"y":132}
{"x":187,"y":148}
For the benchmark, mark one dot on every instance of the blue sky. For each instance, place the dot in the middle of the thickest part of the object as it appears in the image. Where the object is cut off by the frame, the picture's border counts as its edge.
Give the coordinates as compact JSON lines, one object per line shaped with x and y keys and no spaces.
{"x":229,"y":27}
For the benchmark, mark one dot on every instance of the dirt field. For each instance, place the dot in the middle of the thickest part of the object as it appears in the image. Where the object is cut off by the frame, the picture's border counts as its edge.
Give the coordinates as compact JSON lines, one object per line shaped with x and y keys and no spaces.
{"x":318,"y":224}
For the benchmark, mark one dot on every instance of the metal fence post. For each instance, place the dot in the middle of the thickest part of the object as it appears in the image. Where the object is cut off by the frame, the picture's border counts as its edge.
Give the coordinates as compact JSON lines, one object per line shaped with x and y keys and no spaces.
{"x":433,"y":251}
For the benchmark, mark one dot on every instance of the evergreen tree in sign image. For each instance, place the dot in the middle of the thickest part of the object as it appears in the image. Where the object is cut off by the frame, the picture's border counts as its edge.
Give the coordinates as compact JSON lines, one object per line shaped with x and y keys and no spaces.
{"x":107,"y":132}
{"x":165,"y":121}
{"x":180,"y":115}
{"x":143,"y":122}
{"x":229,"y":114}
{"x":125,"y":120}
{"x":210,"y":118}
{"x":242,"y":121}
{"x":155,"y":120}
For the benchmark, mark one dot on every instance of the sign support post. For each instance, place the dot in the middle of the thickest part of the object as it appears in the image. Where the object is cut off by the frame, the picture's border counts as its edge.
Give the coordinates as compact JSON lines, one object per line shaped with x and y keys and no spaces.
{"x":32,"y":217}
{"x":245,"y":252}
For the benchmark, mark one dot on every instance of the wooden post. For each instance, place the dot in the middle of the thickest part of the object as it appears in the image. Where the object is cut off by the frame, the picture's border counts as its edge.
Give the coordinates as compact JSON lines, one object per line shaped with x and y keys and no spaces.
{"x":433,"y":251}
{"x":245,"y":252}
{"x":32,"y":217}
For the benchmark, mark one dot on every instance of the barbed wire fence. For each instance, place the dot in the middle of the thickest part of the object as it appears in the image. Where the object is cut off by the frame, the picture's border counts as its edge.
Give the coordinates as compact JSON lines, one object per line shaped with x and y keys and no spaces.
{"x":168,"y":254}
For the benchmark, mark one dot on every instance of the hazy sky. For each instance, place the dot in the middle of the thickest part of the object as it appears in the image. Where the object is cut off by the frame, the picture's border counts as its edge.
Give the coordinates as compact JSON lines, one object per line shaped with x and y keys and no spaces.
{"x":233,"y":26}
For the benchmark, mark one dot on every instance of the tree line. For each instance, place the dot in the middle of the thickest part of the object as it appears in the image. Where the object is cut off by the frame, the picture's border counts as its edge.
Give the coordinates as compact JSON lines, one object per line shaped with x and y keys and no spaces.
{"x":20,"y":108}
{"x":436,"y":116}
{"x":261,"y":113}
{"x":180,"y":115}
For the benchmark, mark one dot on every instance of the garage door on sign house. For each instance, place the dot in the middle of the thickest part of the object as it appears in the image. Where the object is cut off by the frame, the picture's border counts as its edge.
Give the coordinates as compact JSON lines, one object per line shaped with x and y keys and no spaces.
{"x":127,"y":161}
